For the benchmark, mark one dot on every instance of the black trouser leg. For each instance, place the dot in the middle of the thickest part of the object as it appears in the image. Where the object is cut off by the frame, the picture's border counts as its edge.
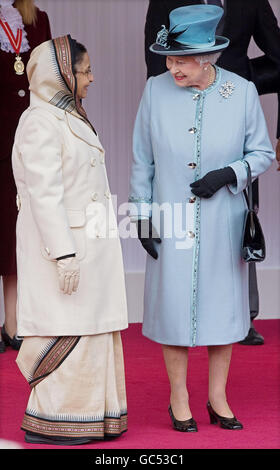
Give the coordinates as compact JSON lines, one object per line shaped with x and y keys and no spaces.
{"x":253,"y":337}
{"x":253,"y":291}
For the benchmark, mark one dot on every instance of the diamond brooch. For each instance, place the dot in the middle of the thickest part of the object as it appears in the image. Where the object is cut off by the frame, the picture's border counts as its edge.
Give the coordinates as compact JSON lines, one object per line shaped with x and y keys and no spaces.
{"x":226,"y":89}
{"x":162,"y":37}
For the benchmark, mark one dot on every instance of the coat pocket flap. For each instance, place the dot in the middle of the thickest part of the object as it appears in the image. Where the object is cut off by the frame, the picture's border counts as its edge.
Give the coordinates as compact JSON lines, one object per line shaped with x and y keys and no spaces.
{"x":76,"y":218}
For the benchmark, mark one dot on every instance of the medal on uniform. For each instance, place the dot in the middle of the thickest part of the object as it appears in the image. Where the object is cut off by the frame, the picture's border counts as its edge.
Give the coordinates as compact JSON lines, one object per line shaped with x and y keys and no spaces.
{"x":19,"y":65}
{"x":16,"y":45}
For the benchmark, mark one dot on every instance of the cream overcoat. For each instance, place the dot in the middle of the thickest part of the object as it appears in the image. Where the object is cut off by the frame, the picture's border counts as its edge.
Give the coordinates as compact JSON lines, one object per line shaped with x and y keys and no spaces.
{"x":65,"y":206}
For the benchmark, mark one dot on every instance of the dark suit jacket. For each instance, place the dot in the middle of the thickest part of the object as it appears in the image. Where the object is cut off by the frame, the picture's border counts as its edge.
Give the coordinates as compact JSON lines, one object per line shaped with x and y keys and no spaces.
{"x":244,"y":19}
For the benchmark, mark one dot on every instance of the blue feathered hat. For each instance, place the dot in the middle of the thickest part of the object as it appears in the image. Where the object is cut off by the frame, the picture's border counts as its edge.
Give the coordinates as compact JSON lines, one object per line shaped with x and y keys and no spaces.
{"x":192,"y":32}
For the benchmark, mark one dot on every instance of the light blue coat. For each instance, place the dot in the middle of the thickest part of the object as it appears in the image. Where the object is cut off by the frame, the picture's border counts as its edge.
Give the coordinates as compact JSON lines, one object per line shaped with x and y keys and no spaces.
{"x":196,"y":292}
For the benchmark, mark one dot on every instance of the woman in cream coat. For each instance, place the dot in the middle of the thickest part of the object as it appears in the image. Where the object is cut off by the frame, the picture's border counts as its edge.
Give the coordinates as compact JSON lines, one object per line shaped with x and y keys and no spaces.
{"x":71,"y":291}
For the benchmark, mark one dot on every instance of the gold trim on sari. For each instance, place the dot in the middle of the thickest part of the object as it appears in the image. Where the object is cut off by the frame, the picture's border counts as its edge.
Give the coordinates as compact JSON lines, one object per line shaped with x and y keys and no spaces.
{"x":77,"y":386}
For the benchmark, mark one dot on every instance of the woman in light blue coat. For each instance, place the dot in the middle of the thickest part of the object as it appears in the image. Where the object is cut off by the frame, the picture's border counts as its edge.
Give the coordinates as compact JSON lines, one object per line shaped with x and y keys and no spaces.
{"x":195,"y":127}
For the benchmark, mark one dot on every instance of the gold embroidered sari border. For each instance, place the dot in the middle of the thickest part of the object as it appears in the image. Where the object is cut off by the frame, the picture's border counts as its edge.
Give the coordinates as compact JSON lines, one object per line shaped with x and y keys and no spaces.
{"x":94,"y":429}
{"x":54,"y":357}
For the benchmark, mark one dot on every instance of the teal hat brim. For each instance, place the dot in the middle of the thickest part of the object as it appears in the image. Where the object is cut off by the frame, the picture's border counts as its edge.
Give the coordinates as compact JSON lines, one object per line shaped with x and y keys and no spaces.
{"x":220,"y":44}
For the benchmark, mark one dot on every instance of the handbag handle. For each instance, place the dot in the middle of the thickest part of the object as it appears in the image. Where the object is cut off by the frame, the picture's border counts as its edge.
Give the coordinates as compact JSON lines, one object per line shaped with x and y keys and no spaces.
{"x":249,"y":199}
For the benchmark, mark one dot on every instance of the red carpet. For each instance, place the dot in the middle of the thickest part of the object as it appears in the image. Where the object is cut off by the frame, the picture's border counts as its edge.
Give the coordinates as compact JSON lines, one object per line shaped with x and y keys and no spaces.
{"x":253,"y":392}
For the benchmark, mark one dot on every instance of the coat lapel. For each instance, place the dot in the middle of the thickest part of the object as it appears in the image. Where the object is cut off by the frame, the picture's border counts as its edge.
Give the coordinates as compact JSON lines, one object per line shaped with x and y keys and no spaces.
{"x":77,"y":126}
{"x":81,"y":130}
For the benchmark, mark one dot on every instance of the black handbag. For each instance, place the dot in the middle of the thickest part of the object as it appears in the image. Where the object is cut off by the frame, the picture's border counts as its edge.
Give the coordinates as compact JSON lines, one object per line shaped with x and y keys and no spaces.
{"x":253,"y":242}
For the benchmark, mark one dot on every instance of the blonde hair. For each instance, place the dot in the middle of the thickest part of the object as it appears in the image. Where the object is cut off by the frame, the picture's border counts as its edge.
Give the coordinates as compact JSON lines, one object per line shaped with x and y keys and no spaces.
{"x":27,"y":10}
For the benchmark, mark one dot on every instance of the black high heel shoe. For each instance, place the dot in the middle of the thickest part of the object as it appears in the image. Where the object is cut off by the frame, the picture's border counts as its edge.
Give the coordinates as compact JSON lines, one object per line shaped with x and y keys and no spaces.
{"x":14,"y":342}
{"x":189,"y":425}
{"x":225,"y":423}
{"x":2,"y":346}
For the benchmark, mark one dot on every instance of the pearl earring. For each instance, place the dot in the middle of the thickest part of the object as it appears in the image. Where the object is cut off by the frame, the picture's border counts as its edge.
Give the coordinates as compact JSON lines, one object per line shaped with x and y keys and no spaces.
{"x":205,"y":68}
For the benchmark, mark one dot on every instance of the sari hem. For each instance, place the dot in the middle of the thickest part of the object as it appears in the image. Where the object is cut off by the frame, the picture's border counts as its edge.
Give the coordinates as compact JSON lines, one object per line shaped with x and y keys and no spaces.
{"x":113,"y":427}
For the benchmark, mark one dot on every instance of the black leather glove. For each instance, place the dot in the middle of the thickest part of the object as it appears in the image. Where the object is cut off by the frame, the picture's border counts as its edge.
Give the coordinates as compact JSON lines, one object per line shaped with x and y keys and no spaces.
{"x":148,"y":236}
{"x":213,"y":181}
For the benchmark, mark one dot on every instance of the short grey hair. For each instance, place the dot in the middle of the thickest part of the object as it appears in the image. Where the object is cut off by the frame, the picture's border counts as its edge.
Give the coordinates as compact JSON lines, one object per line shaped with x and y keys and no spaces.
{"x":212,"y":58}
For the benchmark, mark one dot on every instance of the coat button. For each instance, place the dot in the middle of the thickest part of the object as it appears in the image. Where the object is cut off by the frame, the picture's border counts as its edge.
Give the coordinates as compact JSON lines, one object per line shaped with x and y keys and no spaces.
{"x":196,"y":96}
{"x":192,"y":199}
{"x":107,"y":194}
{"x":190,"y":234}
{"x":93,"y":162}
{"x":18,"y":202}
{"x":192,"y":165}
{"x":94,"y":196}
{"x":47,"y":250}
{"x":102,"y":159}
{"x":21,"y":93}
{"x":192,"y":130}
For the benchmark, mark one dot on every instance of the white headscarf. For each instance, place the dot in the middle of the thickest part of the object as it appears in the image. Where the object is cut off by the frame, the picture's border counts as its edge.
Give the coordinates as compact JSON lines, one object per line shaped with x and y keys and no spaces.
{"x":13,"y":17}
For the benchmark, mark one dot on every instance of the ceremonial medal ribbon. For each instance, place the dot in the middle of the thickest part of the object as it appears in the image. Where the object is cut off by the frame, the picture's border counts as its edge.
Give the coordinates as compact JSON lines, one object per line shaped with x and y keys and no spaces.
{"x":16,"y":45}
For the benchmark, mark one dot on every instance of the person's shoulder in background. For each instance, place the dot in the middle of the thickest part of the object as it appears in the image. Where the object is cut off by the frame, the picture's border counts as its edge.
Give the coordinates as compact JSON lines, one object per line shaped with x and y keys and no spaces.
{"x":43,"y":23}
